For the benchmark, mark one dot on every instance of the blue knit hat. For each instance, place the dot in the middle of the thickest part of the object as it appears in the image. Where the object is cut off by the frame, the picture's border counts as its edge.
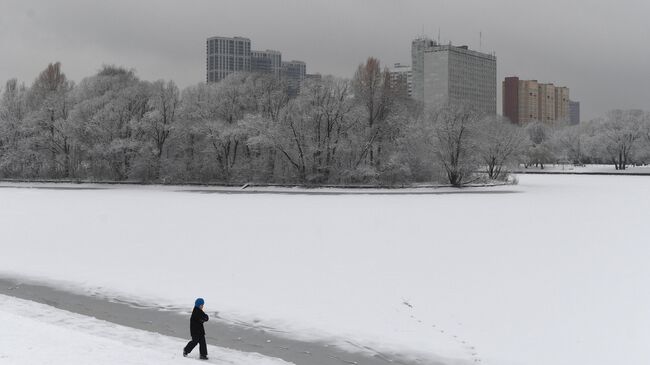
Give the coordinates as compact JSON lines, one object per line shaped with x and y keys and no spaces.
{"x":199,"y":302}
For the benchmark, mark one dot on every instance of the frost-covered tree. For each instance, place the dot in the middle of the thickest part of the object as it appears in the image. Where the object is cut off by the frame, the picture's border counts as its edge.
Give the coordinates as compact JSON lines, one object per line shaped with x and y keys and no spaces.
{"x":213,"y":129}
{"x":272,"y":96}
{"x":540,"y":149}
{"x":310,"y":130}
{"x":52,"y":133}
{"x":225,"y":129}
{"x":619,"y":135}
{"x":418,"y":150}
{"x":111,"y":105}
{"x":189,"y":139}
{"x":15,"y":154}
{"x":501,"y":145}
{"x":456,"y":140}
{"x":158,"y":122}
{"x":114,"y":126}
{"x":570,"y":142}
{"x":374,"y":95}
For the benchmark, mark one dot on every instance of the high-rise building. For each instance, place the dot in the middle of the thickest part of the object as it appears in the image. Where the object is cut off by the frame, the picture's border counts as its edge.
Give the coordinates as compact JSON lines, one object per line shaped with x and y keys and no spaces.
{"x":562,"y":103}
{"x":457,"y":76}
{"x":529,"y":100}
{"x":260,"y":64}
{"x":546,"y":102}
{"x":418,"y":47}
{"x":401,"y":79}
{"x":226,"y":56}
{"x":520,"y":99}
{"x":268,"y":61}
{"x":294,"y":72}
{"x":229,"y":55}
{"x":510,"y":96}
{"x":574,"y":112}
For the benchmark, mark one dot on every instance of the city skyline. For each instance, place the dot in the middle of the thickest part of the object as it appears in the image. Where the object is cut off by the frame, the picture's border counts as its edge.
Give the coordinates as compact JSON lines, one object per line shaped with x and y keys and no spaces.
{"x":334,"y":38}
{"x":228,"y":55}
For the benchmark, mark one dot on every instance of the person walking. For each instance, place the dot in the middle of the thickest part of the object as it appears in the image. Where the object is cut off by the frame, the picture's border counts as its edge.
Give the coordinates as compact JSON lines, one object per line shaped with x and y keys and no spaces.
{"x":197,"y":331}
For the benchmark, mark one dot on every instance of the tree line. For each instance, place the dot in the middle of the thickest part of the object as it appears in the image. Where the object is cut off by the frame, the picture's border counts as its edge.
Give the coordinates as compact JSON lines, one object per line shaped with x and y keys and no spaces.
{"x":621,"y":138}
{"x":114,"y":126}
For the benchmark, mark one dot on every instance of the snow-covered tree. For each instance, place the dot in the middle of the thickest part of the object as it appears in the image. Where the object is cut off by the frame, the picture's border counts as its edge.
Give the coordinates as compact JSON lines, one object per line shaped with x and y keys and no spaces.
{"x":157,"y":124}
{"x":310,"y":130}
{"x":570,"y":142}
{"x":456,"y":142}
{"x":52,"y":133}
{"x":15,"y":154}
{"x":540,"y":149}
{"x":501,"y":145}
{"x":110,"y":106}
{"x":375,"y":97}
{"x":113,"y":126}
{"x":619,"y":135}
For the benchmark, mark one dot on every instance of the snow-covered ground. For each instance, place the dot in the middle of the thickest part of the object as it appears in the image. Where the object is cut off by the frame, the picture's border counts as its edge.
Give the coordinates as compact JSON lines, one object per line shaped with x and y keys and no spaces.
{"x":556,"y":272}
{"x":33,"y":333}
{"x":600,"y":169}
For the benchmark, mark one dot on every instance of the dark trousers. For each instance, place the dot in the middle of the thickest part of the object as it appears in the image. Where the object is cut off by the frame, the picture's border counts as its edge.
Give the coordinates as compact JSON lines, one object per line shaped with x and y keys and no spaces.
{"x":200,"y":340}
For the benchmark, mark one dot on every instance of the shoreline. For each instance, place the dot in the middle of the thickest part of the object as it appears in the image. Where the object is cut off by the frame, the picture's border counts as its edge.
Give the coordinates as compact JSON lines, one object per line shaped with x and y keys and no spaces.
{"x":266,"y":189}
{"x":236,"y":336}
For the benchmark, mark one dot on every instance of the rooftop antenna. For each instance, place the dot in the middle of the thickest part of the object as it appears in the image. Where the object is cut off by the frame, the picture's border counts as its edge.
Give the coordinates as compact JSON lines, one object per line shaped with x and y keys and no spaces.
{"x":480,"y":41}
{"x":438,"y":35}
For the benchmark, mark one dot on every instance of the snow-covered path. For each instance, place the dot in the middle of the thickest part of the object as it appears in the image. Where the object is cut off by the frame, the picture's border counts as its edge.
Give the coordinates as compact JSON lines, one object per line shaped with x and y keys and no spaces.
{"x":33,"y":333}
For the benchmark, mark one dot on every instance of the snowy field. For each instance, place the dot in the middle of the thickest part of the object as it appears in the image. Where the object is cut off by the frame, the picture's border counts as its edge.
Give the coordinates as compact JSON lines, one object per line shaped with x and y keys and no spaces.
{"x":554,"y":273}
{"x":33,"y":333}
{"x":589,"y":169}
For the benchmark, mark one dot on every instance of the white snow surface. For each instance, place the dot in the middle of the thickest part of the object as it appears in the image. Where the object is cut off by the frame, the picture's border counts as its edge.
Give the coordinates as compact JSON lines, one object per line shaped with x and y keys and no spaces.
{"x":33,"y":333}
{"x":600,"y":169}
{"x":555,"y":273}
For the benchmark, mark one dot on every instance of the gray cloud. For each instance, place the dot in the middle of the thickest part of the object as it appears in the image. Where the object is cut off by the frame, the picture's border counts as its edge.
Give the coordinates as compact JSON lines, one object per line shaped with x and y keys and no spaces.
{"x":596,"y":48}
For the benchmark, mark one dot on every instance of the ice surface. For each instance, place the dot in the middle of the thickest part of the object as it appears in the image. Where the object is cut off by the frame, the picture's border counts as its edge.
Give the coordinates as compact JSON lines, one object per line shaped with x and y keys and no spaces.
{"x":554,"y":273}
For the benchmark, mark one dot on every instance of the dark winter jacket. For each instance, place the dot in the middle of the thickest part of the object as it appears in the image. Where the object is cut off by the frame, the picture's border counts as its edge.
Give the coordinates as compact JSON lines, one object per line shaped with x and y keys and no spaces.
{"x":196,"y":322}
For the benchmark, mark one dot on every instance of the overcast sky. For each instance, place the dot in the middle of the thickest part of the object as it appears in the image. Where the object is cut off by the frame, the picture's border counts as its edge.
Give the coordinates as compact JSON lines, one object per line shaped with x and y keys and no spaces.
{"x":598,"y":48}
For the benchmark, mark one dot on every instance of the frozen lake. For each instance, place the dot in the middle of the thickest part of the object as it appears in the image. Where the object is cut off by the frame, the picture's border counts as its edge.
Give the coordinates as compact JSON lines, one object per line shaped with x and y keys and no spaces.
{"x":553,"y":270}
